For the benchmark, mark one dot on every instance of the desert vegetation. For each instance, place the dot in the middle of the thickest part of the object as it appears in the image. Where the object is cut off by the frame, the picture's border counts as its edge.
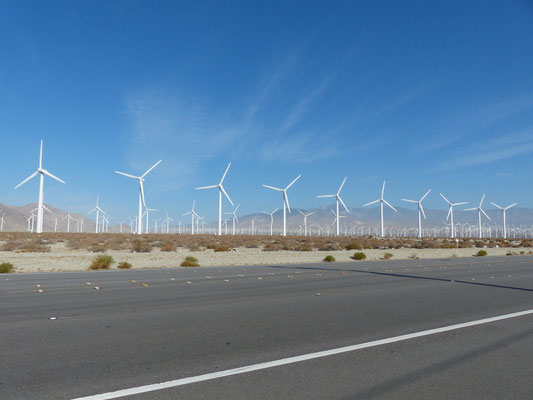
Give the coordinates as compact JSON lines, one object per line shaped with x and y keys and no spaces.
{"x":102,"y":261}
{"x":6,"y":268}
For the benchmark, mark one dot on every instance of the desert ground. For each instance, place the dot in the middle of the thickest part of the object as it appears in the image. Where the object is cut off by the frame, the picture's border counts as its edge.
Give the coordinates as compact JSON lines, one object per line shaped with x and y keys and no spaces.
{"x":75,"y":252}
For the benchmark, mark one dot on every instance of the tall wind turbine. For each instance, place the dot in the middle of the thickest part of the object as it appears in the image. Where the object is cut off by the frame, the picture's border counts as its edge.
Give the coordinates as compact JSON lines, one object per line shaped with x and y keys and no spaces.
{"x":234,"y":217}
{"x":42,"y":172}
{"x":420,"y":211}
{"x":305,"y":220}
{"x":141,"y":195}
{"x":504,"y":209}
{"x":193,"y":214}
{"x":2,"y":221}
{"x":68,"y":217}
{"x":98,"y":211}
{"x":147,"y":212}
{"x":479,"y":211}
{"x":450,"y":214}
{"x":220,"y":191}
{"x":338,"y":199}
{"x":286,"y":204}
{"x":271,"y":219}
{"x":381,"y":201}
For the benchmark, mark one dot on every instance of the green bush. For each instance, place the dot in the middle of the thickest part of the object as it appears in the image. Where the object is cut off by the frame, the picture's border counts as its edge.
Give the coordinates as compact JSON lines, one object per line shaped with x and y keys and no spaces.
{"x":481,"y":253}
{"x":387,"y":256}
{"x":359,"y":255}
{"x":6,"y":268}
{"x":329,"y":259}
{"x":190,"y":262}
{"x":103,"y":261}
{"x":124,"y":265}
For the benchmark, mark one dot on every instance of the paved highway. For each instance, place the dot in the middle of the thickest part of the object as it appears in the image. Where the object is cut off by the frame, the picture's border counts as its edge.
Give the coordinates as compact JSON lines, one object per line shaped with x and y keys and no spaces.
{"x":80,"y":334}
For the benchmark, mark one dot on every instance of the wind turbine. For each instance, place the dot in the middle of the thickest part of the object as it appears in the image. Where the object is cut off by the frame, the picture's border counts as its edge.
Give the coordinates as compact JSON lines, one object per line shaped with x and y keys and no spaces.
{"x":234,"y":217}
{"x":220,"y":191}
{"x":305,"y":219}
{"x":271,"y":219}
{"x":450,"y":214}
{"x":42,"y":172}
{"x":2,"y":222}
{"x":381,"y":201}
{"x":147,"y":212}
{"x":193,"y":214}
{"x":504,"y":209}
{"x":167,"y":221}
{"x":479,"y":211}
{"x":338,"y":199}
{"x":68,"y":217}
{"x":337,"y":218}
{"x":141,"y":195}
{"x":286,"y":204}
{"x":80,"y":222}
{"x":98,"y":211}
{"x":420,"y":211}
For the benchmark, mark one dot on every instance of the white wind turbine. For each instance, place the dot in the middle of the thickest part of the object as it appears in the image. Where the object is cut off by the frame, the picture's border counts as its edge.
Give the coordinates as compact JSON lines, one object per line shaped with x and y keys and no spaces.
{"x":80,"y":223}
{"x":420,"y":211}
{"x":337,"y":218}
{"x":286,"y":205}
{"x":147,"y":212}
{"x":271,"y":219}
{"x":220,"y":191}
{"x":68,"y":217}
{"x":450,"y":214}
{"x":305,"y":220}
{"x":141,"y":195}
{"x":479,"y":211}
{"x":193,"y":214}
{"x":338,"y":199}
{"x":234,"y":217}
{"x":98,"y":211}
{"x":381,"y":200}
{"x":42,"y":172}
{"x":2,"y":222}
{"x":504,"y":209}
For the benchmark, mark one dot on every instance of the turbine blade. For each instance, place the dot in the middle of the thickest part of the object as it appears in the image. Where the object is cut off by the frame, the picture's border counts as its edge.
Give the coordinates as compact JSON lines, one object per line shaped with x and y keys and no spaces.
{"x":128,"y":175}
{"x":482,"y":198}
{"x":385,"y":201}
{"x":410,"y":201}
{"x":46,"y":208}
{"x":41,"y":156}
{"x":292,"y":183}
{"x":424,"y":196}
{"x":342,"y":184}
{"x":496,"y":205}
{"x":236,"y":208}
{"x":274,"y":188}
{"x":483,"y":211}
{"x":470,"y":209}
{"x":52,"y":176}
{"x":153,"y":166}
{"x":301,"y":213}
{"x":342,"y":202}
{"x":459,"y":204}
{"x":226,"y":194}
{"x":207,"y":187}
{"x":512,"y":205}
{"x":142,"y":192}
{"x":273,"y":212}
{"x":327,"y":195}
{"x":449,"y":213}
{"x":372,"y":202}
{"x":383,"y":189}
{"x":286,"y":200}
{"x":27,"y":179}
{"x":225,"y":172}
{"x":422,"y":209}
{"x":445,"y":199}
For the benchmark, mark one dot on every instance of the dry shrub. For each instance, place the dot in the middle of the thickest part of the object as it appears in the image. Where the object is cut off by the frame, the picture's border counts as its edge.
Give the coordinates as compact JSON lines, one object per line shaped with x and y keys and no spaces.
{"x":141,"y":246}
{"x":10,"y":245}
{"x":6,"y":268}
{"x":169,"y":246}
{"x":329,"y":258}
{"x":34,"y":246}
{"x":190,"y":262}
{"x":359,"y":256}
{"x":272,"y":247}
{"x":124,"y":265}
{"x":221,"y":248}
{"x":354,"y":246}
{"x":304,"y":247}
{"x":102,"y":261}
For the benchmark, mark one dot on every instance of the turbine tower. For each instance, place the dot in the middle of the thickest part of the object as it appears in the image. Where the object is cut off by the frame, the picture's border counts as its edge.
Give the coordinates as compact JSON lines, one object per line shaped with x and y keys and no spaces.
{"x":381,"y":201}
{"x":338,"y":199}
{"x":271,"y":219}
{"x":479,"y":211}
{"x":234,"y":217}
{"x":42,"y":172}
{"x":450,"y":214}
{"x":98,"y":211}
{"x":504,"y":209}
{"x":193,"y":214}
{"x":220,"y":191}
{"x":286,"y":204}
{"x":141,"y":195}
{"x":305,"y":220}
{"x":420,"y":211}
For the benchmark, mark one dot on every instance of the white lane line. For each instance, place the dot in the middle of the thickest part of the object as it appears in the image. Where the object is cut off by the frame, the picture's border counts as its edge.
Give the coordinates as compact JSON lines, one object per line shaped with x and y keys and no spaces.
{"x":291,"y":360}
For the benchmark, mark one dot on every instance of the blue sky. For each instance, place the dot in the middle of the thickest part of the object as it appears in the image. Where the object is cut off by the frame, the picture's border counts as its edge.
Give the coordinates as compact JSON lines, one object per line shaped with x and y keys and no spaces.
{"x":423,"y":94}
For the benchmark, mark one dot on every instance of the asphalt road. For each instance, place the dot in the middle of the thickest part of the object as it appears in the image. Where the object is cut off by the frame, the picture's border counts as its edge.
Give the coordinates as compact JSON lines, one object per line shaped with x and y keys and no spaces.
{"x":143,"y":327}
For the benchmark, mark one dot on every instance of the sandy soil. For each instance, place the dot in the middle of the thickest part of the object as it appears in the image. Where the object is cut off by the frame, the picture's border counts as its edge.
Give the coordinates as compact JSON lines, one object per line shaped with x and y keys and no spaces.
{"x":63,"y":259}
